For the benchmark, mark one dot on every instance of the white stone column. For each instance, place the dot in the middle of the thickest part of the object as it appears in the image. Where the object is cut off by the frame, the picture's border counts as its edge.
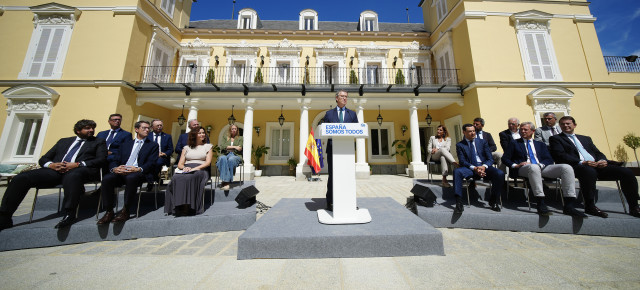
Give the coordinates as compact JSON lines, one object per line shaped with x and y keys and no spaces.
{"x":302,"y":169}
{"x":417,"y":168}
{"x":247,"y":136}
{"x":193,"y":112}
{"x":362,"y":167}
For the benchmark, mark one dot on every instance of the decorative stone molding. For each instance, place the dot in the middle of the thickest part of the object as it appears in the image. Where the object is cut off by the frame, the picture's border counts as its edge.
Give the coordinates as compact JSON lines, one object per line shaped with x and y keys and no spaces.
{"x":196,"y":47}
{"x":372,"y":51}
{"x":531,"y":20}
{"x":554,"y":99}
{"x":30,"y":98}
{"x":331,"y":44}
{"x":331,"y":50}
{"x":54,"y":13}
{"x":285,"y":48}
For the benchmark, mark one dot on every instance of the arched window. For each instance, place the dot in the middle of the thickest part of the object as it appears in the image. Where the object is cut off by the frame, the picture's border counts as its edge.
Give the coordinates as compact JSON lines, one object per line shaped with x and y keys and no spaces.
{"x":368,"y":21}
{"x":308,"y":20}
{"x":550,"y":99}
{"x":248,"y":19}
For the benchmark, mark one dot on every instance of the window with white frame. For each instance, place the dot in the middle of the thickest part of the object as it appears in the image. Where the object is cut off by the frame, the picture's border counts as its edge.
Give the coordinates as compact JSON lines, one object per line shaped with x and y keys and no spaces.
{"x":446,"y":71}
{"x":246,"y":22}
{"x":168,"y":6}
{"x":238,"y":71}
{"x":330,"y":73}
{"x":308,"y":23}
{"x":308,"y":20}
{"x":284,"y":72}
{"x":372,"y":74}
{"x":441,"y":9}
{"x":368,"y":21}
{"x":379,"y":142}
{"x":280,"y":140}
{"x":28,"y":111}
{"x":248,"y":19}
{"x":159,"y":69}
{"x":536,"y":47}
{"x":47,"y":51}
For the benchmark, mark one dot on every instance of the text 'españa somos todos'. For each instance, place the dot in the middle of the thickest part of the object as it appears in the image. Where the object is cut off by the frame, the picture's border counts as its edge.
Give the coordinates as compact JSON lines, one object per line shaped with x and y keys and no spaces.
{"x":339,"y":129}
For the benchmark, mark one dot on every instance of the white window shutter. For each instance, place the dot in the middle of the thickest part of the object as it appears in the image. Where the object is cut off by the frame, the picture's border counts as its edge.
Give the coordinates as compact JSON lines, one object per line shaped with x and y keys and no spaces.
{"x":545,"y":60}
{"x":41,"y":49}
{"x":52,"y":55}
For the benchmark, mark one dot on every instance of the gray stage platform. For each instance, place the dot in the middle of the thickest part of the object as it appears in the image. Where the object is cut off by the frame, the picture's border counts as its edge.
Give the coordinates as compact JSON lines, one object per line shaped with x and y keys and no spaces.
{"x":223,"y":215}
{"x":515,"y":214}
{"x":291,"y":230}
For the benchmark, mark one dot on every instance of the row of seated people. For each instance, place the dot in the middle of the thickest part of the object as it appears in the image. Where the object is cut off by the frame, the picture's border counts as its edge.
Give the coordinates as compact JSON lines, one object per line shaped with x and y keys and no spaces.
{"x":567,"y":156}
{"x":74,"y":161}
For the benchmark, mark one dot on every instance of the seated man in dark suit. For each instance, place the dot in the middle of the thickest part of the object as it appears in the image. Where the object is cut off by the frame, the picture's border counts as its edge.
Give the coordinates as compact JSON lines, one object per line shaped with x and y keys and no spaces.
{"x":114,"y":136}
{"x":475,"y":160}
{"x":507,"y":136}
{"x":589,"y":164}
{"x":134,"y":162}
{"x":338,"y":115}
{"x":531,"y":159}
{"x":71,"y":162}
{"x":478,"y":123}
{"x":165,"y":144}
{"x":550,"y":129}
{"x":182,"y":139}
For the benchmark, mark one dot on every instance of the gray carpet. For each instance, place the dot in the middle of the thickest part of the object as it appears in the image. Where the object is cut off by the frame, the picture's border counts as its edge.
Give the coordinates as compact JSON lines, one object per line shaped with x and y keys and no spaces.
{"x":222,"y":215}
{"x":516,"y":216}
{"x":291,"y":230}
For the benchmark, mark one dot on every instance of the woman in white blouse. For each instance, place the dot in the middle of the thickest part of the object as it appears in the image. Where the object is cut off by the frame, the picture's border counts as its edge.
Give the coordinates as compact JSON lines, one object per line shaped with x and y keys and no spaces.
{"x":439,"y":149}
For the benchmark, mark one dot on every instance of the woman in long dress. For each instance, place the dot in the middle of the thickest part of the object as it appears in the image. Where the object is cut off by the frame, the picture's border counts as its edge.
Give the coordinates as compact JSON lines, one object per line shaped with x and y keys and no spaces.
{"x":230,"y":158}
{"x":184,"y":192}
{"x":439,"y":148}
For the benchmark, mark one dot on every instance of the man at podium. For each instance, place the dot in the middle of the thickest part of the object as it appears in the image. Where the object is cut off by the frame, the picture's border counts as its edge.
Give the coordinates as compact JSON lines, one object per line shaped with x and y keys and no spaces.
{"x":338,"y":115}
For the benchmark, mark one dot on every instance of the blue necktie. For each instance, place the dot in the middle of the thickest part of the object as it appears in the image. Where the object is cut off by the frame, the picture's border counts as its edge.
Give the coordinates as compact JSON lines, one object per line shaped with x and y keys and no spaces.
{"x":340,"y":116}
{"x":583,"y":152}
{"x":110,"y":138}
{"x":156,"y":138}
{"x":134,"y":153}
{"x":73,"y":151}
{"x":474,"y":158}
{"x":531,"y":155}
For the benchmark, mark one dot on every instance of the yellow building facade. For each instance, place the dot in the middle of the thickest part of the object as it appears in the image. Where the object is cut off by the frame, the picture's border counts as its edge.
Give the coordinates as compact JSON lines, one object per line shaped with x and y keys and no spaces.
{"x":145,"y":59}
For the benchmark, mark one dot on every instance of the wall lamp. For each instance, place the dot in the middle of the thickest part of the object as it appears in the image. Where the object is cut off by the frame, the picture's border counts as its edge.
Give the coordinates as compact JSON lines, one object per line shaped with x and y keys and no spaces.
{"x":261,"y":60}
{"x":217,"y":62}
{"x":379,"y":117}
{"x":231,"y":119}
{"x":428,"y":118}
{"x":403,"y":128}
{"x":257,"y":130}
{"x":209,"y":128}
{"x":351,"y":63}
{"x":281,"y":118}
{"x":181,"y":119}
{"x":395,"y":60}
{"x":307,"y":63}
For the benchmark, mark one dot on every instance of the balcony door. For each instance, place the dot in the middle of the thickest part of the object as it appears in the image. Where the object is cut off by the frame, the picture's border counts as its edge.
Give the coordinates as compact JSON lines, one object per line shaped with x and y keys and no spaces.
{"x":372,"y":73}
{"x":330,"y":71}
{"x":238,"y":72}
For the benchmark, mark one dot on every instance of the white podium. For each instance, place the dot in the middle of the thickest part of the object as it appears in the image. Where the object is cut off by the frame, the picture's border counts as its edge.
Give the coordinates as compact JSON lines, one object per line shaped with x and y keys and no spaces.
{"x":344,"y":173}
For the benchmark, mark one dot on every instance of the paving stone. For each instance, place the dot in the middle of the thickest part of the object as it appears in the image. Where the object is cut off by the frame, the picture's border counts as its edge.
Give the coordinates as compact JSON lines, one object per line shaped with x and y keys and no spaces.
{"x":170,"y":248}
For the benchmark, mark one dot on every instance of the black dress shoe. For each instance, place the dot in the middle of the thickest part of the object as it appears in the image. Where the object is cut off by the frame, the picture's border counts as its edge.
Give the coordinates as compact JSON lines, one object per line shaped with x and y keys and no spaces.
{"x":594,"y":210}
{"x":495,"y":207}
{"x":635,"y":211}
{"x":544,"y":210}
{"x":459,"y":207}
{"x":572,"y":211}
{"x":329,"y":207}
{"x":106,"y":218}
{"x":67,"y":220}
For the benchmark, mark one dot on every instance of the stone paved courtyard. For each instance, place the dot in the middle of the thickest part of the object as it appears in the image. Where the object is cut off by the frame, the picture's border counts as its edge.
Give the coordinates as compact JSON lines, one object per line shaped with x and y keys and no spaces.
{"x":474,"y":258}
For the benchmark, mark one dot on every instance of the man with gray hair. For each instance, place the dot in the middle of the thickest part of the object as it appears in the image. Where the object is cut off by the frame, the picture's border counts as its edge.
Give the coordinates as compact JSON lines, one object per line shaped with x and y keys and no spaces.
{"x":550,"y":129}
{"x":531,"y":159}
{"x":507,"y":136}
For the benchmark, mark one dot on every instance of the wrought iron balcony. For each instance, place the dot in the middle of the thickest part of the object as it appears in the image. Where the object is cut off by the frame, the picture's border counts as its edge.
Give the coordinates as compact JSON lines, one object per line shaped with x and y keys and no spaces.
{"x":622,"y":63}
{"x":309,"y":76}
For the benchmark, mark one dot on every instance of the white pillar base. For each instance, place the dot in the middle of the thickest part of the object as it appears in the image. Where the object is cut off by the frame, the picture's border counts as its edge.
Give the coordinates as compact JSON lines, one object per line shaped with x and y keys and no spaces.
{"x":359,"y":216}
{"x":363,"y":171}
{"x":249,"y":173}
{"x":418,"y":170}
{"x":303,"y":172}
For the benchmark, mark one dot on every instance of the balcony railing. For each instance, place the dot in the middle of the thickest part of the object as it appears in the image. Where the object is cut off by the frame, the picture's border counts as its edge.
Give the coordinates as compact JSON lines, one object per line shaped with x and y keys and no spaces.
{"x":622,"y":63}
{"x":284,"y":75}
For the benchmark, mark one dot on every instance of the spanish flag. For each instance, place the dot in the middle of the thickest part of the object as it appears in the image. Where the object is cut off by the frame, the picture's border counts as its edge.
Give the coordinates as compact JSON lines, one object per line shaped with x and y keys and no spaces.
{"x":311,"y":151}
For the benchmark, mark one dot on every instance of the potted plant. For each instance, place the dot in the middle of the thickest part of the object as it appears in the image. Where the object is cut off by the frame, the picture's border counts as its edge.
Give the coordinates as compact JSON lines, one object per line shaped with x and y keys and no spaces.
{"x":257,"y":154}
{"x":620,"y":154}
{"x":399,"y":78}
{"x":292,"y":166}
{"x":211,"y":76}
{"x":353,"y":78}
{"x":403,"y":148}
{"x":633,"y":142}
{"x":259,"y":78}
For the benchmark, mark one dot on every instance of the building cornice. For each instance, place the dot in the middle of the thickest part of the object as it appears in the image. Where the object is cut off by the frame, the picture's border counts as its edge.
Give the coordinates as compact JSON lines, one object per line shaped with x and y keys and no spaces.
{"x":321,"y":34}
{"x":69,"y":83}
{"x":589,"y":85}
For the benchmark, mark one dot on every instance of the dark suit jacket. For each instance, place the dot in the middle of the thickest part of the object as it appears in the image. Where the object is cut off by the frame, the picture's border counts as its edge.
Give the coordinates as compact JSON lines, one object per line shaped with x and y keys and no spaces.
{"x":166,"y":146}
{"x":331,"y":116}
{"x":147,"y":156}
{"x":482,"y":149}
{"x":563,"y":150}
{"x":517,"y":153}
{"x":182,"y":141}
{"x":93,"y":153}
{"x":120,"y":137}
{"x":505,"y":139}
{"x":486,"y":136}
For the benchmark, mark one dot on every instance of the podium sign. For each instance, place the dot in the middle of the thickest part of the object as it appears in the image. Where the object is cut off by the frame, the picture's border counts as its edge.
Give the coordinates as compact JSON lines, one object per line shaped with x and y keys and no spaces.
{"x":344,"y":173}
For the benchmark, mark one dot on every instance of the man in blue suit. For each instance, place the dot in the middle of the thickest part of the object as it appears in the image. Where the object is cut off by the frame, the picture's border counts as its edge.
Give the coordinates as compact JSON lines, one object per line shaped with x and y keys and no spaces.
{"x":475,"y":160}
{"x":182,"y":139}
{"x":165,"y":144}
{"x":338,"y":115}
{"x":132,"y":164}
{"x":114,"y":136}
{"x":531,"y":159}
